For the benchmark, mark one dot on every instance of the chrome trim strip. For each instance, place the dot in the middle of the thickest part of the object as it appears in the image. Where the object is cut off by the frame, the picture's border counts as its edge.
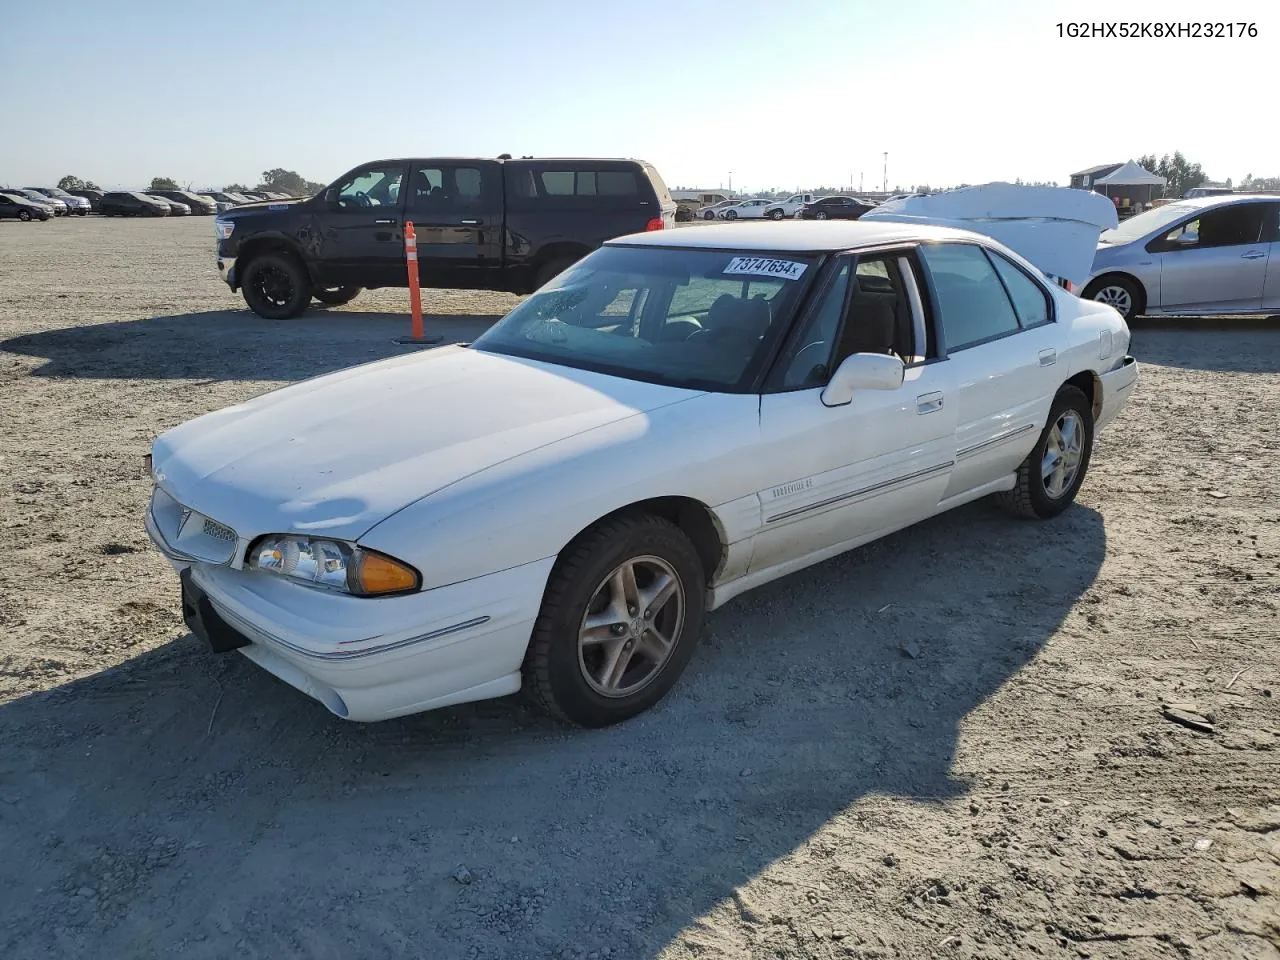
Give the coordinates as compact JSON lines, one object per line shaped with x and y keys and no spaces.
{"x":342,"y":655}
{"x":875,"y":488}
{"x":998,"y":438}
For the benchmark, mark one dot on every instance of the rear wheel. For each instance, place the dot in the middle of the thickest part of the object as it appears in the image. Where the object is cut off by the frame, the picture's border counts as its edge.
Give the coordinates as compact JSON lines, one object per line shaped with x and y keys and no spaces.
{"x":336,"y":296}
{"x":276,"y":286}
{"x":619,"y":620}
{"x":708,"y":215}
{"x":1049,"y":479}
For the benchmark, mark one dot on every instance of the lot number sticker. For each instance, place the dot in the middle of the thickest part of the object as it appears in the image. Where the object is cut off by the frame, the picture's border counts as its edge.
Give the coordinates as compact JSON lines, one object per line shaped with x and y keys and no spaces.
{"x":764,"y":267}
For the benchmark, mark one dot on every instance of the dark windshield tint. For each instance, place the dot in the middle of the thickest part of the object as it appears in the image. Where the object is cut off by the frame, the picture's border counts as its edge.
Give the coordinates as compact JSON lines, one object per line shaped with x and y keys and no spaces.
{"x":689,"y":318}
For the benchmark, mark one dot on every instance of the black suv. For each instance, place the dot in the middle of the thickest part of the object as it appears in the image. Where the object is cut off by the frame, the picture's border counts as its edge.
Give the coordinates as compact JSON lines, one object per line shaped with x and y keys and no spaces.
{"x":132,"y":203}
{"x":500,"y":224}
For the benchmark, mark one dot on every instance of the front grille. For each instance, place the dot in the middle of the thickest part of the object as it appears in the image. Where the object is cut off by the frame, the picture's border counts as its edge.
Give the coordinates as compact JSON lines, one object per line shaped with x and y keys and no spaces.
{"x":218,"y":531}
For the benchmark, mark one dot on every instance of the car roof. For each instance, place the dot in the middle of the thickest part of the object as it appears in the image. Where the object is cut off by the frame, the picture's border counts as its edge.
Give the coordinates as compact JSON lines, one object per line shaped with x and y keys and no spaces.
{"x":1219,"y":200}
{"x":796,"y":236}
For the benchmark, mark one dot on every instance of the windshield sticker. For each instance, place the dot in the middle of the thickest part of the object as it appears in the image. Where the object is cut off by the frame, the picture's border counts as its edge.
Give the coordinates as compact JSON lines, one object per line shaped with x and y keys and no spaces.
{"x":764,"y":267}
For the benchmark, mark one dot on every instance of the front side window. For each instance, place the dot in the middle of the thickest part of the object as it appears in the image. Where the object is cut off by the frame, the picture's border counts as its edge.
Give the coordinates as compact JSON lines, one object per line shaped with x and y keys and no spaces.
{"x":371,"y":187}
{"x":1235,"y":225}
{"x":1030,"y":301}
{"x":691,"y":318}
{"x":971,"y":299}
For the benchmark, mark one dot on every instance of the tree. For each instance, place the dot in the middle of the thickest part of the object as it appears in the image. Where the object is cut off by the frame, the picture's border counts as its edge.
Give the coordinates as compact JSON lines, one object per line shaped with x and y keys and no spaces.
{"x":234,"y":188}
{"x":70,"y":183}
{"x":280,"y":180}
{"x":1250,"y":182}
{"x":1180,"y":175}
{"x":163,"y":183}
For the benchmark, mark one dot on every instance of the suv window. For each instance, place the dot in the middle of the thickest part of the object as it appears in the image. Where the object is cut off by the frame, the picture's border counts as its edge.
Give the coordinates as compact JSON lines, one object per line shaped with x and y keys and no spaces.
{"x":971,"y":299}
{"x":587,"y":183}
{"x":371,"y":187}
{"x":1234,"y":225}
{"x":1030,"y":301}
{"x":442,"y":188}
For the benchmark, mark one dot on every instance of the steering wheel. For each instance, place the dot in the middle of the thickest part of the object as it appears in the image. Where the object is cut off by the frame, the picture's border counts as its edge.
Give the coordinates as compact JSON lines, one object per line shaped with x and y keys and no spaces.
{"x":362,"y":199}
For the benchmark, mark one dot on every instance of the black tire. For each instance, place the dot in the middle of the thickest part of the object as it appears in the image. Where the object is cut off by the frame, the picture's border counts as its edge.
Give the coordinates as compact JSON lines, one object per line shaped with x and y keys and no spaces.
{"x":1030,"y":497}
{"x":708,"y":215}
{"x":731,"y":214}
{"x":553,"y":268}
{"x":554,"y":672}
{"x":275,"y":286}
{"x":336,"y":296}
{"x":820,"y":215}
{"x":1136,"y":298}
{"x":24,"y":216}
{"x":776,"y":214}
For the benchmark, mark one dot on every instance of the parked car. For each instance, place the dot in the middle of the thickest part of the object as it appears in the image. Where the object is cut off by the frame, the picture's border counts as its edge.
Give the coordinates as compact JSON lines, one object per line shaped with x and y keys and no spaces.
{"x":93,"y":195}
{"x":1216,"y":254}
{"x":193,"y":202}
{"x":386,"y":571}
{"x":222,"y":200}
{"x":133,"y":203}
{"x":19,"y":207}
{"x":711,"y":211}
{"x":482,"y":224}
{"x":53,"y":203}
{"x":77,"y":206}
{"x":1196,"y":192}
{"x":253,"y":196}
{"x":745,"y":209}
{"x":176,"y":209}
{"x":790,"y":207}
{"x":835,"y":208}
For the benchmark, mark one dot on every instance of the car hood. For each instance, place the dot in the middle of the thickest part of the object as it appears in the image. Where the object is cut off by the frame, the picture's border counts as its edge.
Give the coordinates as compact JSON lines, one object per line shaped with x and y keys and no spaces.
{"x":337,"y":454}
{"x":257,"y":207}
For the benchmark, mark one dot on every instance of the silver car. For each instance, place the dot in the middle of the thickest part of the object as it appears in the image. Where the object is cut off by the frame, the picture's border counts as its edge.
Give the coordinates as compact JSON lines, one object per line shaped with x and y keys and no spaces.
{"x":1201,"y":256}
{"x":75,"y":205}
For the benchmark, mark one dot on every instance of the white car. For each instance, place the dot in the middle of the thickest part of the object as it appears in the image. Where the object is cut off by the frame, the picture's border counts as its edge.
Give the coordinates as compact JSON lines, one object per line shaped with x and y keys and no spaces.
{"x":745,"y":210}
{"x":788,"y":208}
{"x":679,"y":417}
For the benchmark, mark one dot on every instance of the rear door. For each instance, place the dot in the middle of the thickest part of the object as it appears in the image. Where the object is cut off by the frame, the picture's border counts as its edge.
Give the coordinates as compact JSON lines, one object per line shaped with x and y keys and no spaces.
{"x":1215,"y":261}
{"x":1002,"y":342}
{"x":456,"y":211}
{"x":363,"y":228}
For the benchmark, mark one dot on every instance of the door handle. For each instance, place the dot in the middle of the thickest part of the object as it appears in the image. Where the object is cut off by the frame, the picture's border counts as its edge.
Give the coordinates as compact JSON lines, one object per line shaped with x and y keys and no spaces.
{"x":1253,"y":255}
{"x":384,"y":221}
{"x":472,"y":223}
{"x":928,"y":402}
{"x":1048,"y":357}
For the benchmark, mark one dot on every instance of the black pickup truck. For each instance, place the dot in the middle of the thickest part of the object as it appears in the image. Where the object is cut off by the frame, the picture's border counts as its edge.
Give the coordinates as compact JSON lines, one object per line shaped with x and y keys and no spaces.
{"x":501,"y":224}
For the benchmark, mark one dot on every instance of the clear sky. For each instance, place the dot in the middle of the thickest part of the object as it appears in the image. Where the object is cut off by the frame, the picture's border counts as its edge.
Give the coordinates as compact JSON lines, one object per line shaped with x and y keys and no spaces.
{"x":782,"y":93}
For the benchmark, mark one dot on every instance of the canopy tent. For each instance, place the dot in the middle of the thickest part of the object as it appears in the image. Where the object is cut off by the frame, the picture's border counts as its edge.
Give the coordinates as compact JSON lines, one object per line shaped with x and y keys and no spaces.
{"x":1131,"y":175}
{"x":1055,"y":228}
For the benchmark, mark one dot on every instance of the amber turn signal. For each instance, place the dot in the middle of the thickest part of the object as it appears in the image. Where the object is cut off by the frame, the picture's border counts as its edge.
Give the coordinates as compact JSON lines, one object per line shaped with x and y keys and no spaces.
{"x":378,"y":573}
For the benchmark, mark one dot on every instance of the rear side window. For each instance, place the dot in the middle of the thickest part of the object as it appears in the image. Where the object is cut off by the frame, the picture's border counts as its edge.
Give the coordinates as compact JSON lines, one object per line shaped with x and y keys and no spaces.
{"x":971,"y":298}
{"x":1029,"y":300}
{"x":576,"y":186}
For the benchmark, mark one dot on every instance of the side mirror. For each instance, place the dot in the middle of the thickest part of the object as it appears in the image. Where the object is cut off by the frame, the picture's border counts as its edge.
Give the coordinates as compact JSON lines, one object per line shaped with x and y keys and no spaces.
{"x":863,"y":371}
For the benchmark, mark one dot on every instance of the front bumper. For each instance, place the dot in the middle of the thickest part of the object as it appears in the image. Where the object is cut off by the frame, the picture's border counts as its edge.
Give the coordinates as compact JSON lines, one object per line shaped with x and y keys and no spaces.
{"x":227,"y":271}
{"x":372,"y":659}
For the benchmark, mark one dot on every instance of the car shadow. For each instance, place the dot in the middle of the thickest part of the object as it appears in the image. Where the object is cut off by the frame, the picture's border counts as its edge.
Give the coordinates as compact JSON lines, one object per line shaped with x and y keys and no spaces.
{"x":185,"y":803}
{"x":1221,"y":344}
{"x":232,"y":344}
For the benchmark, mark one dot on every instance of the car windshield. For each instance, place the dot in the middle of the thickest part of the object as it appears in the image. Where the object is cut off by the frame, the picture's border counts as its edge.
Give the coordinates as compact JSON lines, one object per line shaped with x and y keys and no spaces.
{"x":1137,"y":227}
{"x":687,"y":318}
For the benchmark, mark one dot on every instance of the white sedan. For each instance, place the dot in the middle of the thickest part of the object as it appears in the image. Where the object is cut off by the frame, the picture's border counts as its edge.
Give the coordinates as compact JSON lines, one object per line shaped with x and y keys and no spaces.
{"x":679,"y":417}
{"x":745,"y":210}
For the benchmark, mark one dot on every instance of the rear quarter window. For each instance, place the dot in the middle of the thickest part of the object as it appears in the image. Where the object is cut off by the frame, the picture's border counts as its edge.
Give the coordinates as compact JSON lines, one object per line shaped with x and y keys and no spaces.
{"x":577,"y":186}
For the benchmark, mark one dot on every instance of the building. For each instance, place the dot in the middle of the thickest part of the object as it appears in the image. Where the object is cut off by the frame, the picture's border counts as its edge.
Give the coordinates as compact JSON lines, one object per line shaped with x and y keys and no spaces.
{"x":1085,"y":179}
{"x":1130,"y":186}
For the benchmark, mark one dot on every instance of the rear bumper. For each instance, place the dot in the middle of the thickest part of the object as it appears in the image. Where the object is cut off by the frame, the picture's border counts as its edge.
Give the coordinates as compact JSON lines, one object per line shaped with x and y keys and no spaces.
{"x":1117,"y":388}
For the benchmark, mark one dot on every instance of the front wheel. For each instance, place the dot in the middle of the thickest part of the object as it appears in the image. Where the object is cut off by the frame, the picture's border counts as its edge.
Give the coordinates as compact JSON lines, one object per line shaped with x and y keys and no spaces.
{"x":276,"y":286}
{"x":1050,"y":477}
{"x":619,"y":621}
{"x":708,"y":215}
{"x":731,"y":214}
{"x":24,"y":216}
{"x":336,"y":296}
{"x":776,"y":214}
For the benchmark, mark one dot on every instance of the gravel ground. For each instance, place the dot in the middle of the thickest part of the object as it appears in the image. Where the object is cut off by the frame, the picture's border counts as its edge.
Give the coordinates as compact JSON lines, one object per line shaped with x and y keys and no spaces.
{"x":1009,"y":787}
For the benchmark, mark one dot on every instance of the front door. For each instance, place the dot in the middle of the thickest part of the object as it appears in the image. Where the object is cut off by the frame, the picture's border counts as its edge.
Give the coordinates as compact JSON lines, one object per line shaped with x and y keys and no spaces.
{"x":456,"y":210}
{"x":362,"y":240}
{"x":1271,"y":234}
{"x":841,"y":475}
{"x":1217,"y":261}
{"x":1002,"y":342}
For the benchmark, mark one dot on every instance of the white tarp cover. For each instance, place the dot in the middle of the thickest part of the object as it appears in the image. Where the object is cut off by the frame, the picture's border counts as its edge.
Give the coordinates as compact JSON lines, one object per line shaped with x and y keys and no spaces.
{"x":1056,"y":228}
{"x":1130,"y":175}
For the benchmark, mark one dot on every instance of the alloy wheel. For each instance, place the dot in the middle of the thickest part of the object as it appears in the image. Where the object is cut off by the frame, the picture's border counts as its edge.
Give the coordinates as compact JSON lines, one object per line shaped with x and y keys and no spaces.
{"x":1115,"y":296}
{"x":1063,"y":451}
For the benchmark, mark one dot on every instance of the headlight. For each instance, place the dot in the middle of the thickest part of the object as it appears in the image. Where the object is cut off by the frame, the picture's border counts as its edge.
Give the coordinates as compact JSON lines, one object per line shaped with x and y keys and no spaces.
{"x":223,"y":228}
{"x":332,"y":564}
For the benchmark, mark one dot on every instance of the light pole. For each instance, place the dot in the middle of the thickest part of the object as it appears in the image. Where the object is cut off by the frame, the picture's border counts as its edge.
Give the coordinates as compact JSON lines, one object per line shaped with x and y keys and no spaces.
{"x":886,"y":171}
{"x":731,"y":181}
{"x":859,"y":182}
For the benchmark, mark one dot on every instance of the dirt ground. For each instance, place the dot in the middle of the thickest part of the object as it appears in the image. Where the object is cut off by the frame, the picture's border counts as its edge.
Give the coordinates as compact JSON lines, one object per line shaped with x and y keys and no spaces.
{"x":809,"y":789}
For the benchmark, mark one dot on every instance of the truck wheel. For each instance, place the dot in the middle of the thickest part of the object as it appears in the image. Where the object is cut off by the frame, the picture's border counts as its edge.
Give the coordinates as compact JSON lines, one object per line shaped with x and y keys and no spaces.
{"x":276,"y":287}
{"x":776,"y":214}
{"x":551,"y":269}
{"x":620,"y":617}
{"x":336,"y":296}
